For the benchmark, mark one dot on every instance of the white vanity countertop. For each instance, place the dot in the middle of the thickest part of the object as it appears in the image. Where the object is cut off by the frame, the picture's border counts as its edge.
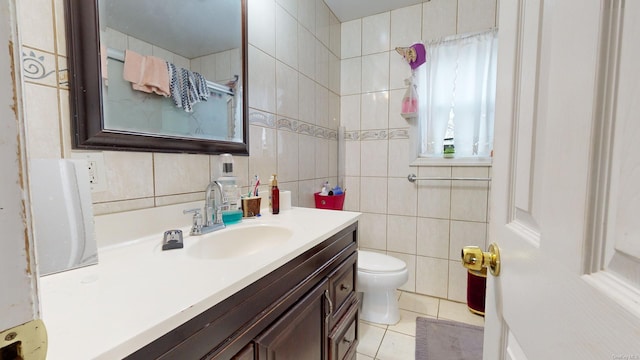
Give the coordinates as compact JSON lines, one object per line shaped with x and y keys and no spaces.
{"x":138,"y":293}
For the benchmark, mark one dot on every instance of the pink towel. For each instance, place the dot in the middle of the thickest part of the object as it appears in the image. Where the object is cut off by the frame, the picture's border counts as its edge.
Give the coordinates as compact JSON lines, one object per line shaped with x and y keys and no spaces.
{"x":146,"y":73}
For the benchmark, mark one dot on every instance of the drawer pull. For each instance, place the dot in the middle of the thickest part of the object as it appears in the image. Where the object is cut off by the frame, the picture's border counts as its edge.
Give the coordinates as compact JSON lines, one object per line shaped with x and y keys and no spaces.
{"x":347,"y":341}
{"x":326,"y":295}
{"x":344,"y":287}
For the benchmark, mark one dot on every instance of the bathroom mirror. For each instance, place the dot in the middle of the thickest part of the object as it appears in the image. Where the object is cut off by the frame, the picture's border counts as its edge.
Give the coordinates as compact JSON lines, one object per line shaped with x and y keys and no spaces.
{"x":197,"y":37}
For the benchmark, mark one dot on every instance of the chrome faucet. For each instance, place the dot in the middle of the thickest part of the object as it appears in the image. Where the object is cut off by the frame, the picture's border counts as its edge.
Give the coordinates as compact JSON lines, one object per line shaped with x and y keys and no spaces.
{"x":211,"y":207}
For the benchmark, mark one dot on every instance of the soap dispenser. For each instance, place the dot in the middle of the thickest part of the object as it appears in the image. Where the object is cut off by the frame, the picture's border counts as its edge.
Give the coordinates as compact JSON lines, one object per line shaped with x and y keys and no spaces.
{"x":228,"y":181}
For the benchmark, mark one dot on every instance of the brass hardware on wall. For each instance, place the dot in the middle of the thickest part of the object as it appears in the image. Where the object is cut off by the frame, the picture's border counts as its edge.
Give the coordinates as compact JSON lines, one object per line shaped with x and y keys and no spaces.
{"x":473,"y":258}
{"x":26,"y":341}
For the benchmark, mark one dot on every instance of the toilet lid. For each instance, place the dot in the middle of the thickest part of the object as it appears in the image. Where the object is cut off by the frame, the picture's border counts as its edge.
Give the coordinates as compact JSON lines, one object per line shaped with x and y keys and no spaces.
{"x":374,"y":262}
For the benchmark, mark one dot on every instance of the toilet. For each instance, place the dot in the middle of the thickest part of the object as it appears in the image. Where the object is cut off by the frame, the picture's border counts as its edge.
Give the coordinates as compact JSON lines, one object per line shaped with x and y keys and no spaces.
{"x":378,"y":278}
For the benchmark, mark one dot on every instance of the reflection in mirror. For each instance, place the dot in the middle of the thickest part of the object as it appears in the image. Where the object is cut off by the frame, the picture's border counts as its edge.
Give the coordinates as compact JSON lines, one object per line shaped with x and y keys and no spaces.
{"x":171,"y":76}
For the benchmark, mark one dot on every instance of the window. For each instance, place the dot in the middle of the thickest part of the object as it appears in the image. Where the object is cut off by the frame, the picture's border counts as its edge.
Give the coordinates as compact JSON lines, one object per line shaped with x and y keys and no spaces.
{"x":456,"y":92}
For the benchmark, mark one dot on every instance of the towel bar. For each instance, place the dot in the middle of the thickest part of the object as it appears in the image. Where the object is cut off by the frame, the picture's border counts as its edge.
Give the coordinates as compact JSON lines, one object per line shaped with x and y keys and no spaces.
{"x":414,"y":178}
{"x":119,"y":56}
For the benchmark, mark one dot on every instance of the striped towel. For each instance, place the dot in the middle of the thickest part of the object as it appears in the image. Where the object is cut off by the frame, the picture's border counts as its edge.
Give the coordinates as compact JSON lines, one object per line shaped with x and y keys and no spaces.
{"x":187,"y":87}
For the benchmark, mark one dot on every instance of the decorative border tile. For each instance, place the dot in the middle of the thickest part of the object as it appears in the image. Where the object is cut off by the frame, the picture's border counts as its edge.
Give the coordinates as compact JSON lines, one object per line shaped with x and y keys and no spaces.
{"x":257,"y":117}
{"x":331,"y":135}
{"x":373,"y":135}
{"x":352,"y":135}
{"x":39,"y":67}
{"x":399,"y":134}
{"x":260,"y":118}
{"x":306,"y":129}
{"x":376,"y":134}
{"x":288,"y":124}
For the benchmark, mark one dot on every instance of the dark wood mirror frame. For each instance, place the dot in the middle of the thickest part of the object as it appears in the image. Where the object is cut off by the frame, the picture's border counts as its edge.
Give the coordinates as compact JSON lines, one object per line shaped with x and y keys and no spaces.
{"x":85,"y":85}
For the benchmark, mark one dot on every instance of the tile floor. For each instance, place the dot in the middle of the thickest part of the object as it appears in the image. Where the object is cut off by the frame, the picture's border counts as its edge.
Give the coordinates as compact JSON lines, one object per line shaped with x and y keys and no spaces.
{"x":397,"y":342}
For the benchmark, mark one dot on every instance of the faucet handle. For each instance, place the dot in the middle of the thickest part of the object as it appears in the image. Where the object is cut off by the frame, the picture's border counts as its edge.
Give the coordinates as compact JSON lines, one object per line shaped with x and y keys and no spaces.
{"x":196,"y":228}
{"x":218,"y":215}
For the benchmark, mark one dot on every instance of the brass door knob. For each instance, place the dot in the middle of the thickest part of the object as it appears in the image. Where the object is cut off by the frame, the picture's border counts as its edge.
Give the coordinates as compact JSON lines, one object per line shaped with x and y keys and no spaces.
{"x":473,"y":258}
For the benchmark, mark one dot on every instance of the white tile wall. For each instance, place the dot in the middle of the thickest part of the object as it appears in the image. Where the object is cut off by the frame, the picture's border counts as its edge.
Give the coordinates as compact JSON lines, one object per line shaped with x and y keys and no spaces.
{"x":131,"y":175}
{"x":43,"y":130}
{"x":429,"y":221}
{"x":322,"y":64}
{"x":322,"y":23}
{"x":401,"y":234}
{"x":374,"y":158}
{"x":434,"y":196}
{"x":261,"y":24}
{"x":262,"y":147}
{"x":306,"y":158}
{"x":287,"y":156}
{"x":432,"y":276}
{"x":375,"y":72}
{"x":399,"y":153}
{"x":286,"y":90}
{"x":297,"y":47}
{"x":376,"y":33}
{"x":322,"y":106}
{"x":307,"y":14}
{"x":433,"y":238}
{"x":351,"y":76}
{"x":262,"y":77}
{"x":412,"y":268}
{"x":373,"y":194}
{"x":350,"y":112}
{"x":286,"y":37}
{"x":375,"y":110}
{"x":406,"y":26}
{"x":306,"y":99}
{"x":439,"y":18}
{"x":37,"y":17}
{"x":306,"y":52}
{"x":373,"y":230}
{"x":290,"y":5}
{"x":351,"y":45}
{"x":402,"y":197}
{"x":167,"y":166}
{"x":476,"y":15}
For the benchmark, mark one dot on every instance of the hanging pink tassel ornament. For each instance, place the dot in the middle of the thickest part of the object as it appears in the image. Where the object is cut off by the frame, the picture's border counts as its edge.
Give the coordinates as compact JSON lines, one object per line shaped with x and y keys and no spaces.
{"x":409,"y":100}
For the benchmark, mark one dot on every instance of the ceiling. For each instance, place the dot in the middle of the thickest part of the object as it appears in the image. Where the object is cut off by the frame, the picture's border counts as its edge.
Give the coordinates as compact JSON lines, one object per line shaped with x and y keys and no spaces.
{"x":190,"y":28}
{"x":171,"y":24}
{"x":347,"y":10}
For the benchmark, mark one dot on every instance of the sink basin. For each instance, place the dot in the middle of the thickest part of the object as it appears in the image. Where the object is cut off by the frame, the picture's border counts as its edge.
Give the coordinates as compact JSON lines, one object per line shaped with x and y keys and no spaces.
{"x":237,"y":242}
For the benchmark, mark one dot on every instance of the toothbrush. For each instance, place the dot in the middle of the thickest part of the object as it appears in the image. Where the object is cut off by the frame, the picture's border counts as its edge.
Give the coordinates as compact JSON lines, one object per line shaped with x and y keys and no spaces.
{"x":255,"y":188}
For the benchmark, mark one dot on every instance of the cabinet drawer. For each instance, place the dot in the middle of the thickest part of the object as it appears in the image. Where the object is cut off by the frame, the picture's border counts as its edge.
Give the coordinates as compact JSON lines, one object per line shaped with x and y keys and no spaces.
{"x":343,"y":340}
{"x":341,"y":287}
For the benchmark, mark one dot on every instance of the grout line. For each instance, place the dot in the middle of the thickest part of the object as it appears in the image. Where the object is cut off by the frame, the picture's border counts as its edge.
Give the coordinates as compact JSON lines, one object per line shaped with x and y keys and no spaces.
{"x":380,"y":345}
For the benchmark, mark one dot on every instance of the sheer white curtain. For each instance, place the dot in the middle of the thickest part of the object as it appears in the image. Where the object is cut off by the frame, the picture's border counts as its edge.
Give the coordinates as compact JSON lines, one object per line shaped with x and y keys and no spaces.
{"x":456,"y":91}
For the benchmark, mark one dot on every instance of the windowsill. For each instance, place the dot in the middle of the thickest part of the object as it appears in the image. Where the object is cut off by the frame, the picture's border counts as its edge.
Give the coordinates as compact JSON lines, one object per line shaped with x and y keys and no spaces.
{"x":440,"y":161}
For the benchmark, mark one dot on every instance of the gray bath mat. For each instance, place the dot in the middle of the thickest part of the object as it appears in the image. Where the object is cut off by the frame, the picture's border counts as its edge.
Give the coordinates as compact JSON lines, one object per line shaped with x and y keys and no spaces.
{"x":450,"y":340}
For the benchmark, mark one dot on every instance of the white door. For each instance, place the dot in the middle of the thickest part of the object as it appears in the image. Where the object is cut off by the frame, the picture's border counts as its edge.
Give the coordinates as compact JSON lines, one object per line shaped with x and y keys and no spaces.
{"x":565,"y":207}
{"x":20,"y":331}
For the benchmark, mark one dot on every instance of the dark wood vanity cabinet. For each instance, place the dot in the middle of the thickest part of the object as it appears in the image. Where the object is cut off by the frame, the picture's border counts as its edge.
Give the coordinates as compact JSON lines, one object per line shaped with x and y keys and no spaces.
{"x":306,"y":309}
{"x":300,"y":333}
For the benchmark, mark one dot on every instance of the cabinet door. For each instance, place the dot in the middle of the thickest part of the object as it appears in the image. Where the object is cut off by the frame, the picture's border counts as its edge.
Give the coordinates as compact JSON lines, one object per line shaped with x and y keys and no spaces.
{"x":301,"y":332}
{"x":343,"y":339}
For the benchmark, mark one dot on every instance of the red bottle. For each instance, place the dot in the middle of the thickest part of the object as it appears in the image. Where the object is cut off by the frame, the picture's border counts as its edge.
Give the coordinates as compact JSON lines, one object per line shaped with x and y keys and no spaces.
{"x":275,"y":196}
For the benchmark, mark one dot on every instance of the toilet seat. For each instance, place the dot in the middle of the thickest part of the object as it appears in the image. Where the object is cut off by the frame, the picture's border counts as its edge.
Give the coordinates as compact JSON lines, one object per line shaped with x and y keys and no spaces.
{"x":375,"y":263}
